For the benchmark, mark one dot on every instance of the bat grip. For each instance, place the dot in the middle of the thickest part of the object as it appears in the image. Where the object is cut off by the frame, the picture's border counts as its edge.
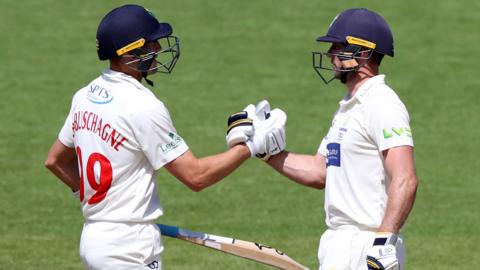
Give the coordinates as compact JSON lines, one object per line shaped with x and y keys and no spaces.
{"x":167,"y":230}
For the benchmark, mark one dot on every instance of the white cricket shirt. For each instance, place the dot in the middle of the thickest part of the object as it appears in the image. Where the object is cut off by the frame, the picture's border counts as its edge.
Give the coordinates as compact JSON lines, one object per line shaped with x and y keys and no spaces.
{"x":122,"y":135}
{"x":375,"y":119}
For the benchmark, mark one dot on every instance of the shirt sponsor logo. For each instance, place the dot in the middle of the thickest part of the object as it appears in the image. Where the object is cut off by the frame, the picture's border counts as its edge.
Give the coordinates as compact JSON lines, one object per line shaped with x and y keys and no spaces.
{"x":174,"y":143}
{"x":333,"y":155}
{"x":389,"y":133}
{"x":99,"y":95}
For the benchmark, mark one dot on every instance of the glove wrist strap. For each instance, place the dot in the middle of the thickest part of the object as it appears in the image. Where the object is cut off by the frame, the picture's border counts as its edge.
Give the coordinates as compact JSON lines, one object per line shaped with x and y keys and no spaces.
{"x":383,"y":239}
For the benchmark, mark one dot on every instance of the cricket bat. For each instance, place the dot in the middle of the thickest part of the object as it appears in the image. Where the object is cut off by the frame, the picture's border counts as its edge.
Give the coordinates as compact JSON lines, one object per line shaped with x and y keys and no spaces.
{"x":249,"y":250}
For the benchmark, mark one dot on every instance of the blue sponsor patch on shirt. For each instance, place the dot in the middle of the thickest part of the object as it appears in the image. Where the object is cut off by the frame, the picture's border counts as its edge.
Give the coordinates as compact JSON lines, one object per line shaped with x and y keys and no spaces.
{"x":333,"y":155}
{"x":99,"y":95}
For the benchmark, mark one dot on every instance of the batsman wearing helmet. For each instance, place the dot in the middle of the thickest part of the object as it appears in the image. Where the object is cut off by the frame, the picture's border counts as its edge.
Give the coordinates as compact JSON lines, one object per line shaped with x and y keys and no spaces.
{"x":118,"y":135}
{"x":365,"y":162}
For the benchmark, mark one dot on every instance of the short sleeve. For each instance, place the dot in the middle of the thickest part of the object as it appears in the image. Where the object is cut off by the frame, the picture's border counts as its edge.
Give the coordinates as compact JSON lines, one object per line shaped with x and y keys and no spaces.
{"x":66,"y":133}
{"x":322,"y":149}
{"x":388,"y":122}
{"x":156,"y":134}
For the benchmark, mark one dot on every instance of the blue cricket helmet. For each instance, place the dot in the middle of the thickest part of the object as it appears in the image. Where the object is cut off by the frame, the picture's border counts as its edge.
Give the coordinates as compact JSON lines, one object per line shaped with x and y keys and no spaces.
{"x":360,"y":26}
{"x":127,"y":28}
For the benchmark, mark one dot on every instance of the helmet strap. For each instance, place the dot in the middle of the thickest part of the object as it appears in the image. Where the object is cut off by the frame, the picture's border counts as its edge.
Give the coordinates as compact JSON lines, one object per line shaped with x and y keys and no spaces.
{"x":144,"y":63}
{"x":344,"y":74}
{"x":144,"y":75}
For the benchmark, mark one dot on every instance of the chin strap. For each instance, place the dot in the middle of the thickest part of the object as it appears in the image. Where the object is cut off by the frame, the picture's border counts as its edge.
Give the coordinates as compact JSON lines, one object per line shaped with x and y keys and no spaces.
{"x":144,"y":74}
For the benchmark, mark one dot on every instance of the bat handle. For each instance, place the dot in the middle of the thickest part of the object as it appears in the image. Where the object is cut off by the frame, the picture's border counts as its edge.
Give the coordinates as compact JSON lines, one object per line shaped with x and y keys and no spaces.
{"x":168,"y":230}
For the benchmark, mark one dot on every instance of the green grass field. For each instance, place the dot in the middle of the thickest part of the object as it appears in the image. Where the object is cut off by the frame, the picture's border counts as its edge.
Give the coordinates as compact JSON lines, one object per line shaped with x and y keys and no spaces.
{"x":235,"y":53}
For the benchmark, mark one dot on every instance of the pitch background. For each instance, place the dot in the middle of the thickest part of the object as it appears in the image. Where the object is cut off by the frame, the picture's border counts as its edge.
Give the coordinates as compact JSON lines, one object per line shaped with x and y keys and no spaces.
{"x":235,"y":53}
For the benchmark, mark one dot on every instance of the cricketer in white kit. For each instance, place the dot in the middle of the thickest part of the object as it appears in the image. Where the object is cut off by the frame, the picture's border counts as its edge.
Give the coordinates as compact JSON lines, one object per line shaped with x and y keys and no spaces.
{"x":357,"y":184}
{"x":365,"y":163}
{"x":122,"y":135}
{"x":118,"y":135}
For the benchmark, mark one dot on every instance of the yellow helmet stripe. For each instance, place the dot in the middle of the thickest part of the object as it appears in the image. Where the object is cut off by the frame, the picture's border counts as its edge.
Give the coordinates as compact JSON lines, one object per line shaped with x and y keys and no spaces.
{"x":361,"y":42}
{"x":132,"y":46}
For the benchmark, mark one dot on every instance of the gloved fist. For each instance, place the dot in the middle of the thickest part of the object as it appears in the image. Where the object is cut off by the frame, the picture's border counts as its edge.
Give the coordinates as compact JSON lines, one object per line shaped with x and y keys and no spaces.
{"x":269,"y":130}
{"x":262,"y":130}
{"x":269,"y":135}
{"x":267,"y":143}
{"x":239,"y":124}
{"x":383,"y":255}
{"x":240,"y":128}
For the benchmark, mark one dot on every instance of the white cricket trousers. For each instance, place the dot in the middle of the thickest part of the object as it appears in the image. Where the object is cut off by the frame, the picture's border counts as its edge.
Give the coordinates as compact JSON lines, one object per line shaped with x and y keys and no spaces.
{"x":346,"y":249}
{"x":121,"y":246}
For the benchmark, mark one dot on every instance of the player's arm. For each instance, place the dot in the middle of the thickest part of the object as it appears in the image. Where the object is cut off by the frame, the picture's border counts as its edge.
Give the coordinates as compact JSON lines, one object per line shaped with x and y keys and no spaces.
{"x":400,"y":165}
{"x":62,"y":161}
{"x":199,"y":173}
{"x":308,"y":170}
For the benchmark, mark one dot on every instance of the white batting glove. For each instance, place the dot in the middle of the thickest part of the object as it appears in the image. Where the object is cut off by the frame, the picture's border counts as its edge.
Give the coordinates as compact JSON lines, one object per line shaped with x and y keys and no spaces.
{"x":266,"y":137}
{"x":269,"y":131}
{"x":383,"y":255}
{"x":267,"y":143}
{"x":240,"y":128}
{"x":262,"y":112}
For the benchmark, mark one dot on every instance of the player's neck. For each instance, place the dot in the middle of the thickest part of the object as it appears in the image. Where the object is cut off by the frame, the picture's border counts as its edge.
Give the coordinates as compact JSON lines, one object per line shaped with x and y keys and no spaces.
{"x":120,"y":67}
{"x":357,"y":79}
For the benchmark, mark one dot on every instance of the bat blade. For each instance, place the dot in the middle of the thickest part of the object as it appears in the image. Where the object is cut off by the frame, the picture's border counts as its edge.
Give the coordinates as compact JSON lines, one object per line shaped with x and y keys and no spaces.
{"x":245,"y":249}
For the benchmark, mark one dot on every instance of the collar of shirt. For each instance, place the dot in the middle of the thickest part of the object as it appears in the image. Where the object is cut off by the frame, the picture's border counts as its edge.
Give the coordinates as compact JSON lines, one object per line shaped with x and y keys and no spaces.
{"x":113,"y":75}
{"x":362,"y":90}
